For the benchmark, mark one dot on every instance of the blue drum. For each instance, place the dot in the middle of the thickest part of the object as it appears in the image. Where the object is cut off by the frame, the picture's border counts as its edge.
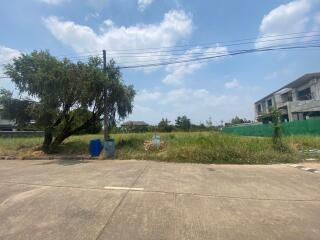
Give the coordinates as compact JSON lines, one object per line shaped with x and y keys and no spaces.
{"x":95,"y":147}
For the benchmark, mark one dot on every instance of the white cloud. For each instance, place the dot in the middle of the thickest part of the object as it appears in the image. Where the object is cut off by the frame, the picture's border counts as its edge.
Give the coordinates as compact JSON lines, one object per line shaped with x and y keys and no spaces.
{"x":143,"y":4}
{"x":93,"y":15}
{"x":293,"y":17}
{"x":232,"y":84}
{"x":53,"y":2}
{"x":178,"y":72}
{"x":6,"y":55}
{"x":98,"y":5}
{"x":199,"y":104}
{"x":145,"y":95}
{"x":107,"y":24}
{"x":175,"y":26}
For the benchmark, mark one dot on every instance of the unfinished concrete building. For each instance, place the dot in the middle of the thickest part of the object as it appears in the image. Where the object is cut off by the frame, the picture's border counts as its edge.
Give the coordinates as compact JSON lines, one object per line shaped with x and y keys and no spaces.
{"x":298,"y":100}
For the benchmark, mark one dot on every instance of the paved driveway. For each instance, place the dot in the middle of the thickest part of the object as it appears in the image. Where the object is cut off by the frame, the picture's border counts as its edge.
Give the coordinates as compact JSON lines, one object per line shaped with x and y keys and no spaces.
{"x":149,"y":200}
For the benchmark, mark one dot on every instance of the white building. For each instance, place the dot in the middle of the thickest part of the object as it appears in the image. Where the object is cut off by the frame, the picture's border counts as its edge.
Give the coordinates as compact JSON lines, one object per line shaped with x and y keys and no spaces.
{"x":298,"y":100}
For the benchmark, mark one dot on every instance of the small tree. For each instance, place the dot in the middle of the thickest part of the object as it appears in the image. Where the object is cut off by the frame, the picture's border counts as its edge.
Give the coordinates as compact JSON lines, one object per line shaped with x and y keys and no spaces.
{"x":277,"y":130}
{"x":183,"y":123}
{"x":164,"y":125}
{"x":69,"y":95}
{"x":209,"y":123}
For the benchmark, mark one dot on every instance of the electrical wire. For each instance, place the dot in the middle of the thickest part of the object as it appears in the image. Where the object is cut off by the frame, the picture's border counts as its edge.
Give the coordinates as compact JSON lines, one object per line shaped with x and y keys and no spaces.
{"x":246,"y":51}
{"x":169,"y":55}
{"x":221,"y":42}
{"x":176,"y":49}
{"x":188,"y":55}
{"x":205,"y":58}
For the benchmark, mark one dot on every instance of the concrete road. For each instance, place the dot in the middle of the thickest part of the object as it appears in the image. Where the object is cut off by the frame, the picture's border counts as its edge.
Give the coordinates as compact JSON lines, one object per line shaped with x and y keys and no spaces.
{"x":148,"y":200}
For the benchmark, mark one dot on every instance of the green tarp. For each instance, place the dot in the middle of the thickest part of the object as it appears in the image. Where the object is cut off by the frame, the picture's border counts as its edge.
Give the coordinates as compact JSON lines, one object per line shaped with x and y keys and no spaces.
{"x":311,"y":126}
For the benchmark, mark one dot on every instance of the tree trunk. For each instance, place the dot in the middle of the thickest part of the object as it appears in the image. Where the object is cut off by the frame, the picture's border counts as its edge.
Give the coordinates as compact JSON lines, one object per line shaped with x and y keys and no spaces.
{"x":46,"y":146}
{"x":50,"y":144}
{"x":59,"y":139}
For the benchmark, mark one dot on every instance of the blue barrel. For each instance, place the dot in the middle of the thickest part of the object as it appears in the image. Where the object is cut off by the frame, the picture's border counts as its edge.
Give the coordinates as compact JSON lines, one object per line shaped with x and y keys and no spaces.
{"x":95,"y":147}
{"x":110,"y":148}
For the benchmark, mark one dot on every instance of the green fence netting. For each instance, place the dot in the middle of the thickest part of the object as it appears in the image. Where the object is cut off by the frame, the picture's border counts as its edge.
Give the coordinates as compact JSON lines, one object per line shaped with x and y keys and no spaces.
{"x":311,"y":126}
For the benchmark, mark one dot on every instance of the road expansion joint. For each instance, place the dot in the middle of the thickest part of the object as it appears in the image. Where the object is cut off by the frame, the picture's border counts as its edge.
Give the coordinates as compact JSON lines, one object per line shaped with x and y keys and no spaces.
{"x":176,"y":194}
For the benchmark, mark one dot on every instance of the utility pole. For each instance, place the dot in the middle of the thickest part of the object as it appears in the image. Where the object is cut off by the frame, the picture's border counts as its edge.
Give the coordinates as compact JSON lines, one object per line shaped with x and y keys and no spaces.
{"x":106,"y":137}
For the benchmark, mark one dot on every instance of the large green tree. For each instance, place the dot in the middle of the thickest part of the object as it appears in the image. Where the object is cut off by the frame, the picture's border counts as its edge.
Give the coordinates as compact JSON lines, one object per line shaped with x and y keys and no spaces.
{"x":164,"y":125}
{"x":69,"y":95}
{"x":183,"y":123}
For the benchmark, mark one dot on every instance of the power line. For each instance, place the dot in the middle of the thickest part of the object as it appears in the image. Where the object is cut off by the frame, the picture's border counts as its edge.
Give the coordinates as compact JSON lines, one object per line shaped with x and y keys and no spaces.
{"x":171,"y":49}
{"x":175,"y":52}
{"x":217,"y":56}
{"x":220,"y":42}
{"x":189,"y":55}
{"x":140,"y":54}
{"x":207,"y":57}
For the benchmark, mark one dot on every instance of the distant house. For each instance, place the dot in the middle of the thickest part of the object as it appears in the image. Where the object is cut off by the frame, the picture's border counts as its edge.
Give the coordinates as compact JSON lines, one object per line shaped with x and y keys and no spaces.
{"x":298,"y":100}
{"x":5,"y":125}
{"x":134,"y":124}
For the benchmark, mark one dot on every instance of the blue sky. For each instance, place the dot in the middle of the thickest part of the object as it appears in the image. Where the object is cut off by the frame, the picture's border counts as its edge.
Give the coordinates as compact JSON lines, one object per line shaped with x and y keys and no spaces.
{"x":220,"y":89}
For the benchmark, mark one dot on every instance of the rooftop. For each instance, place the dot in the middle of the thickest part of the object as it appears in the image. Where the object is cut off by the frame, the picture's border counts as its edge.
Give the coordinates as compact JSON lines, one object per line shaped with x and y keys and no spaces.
{"x":134,"y":123}
{"x":294,"y":84}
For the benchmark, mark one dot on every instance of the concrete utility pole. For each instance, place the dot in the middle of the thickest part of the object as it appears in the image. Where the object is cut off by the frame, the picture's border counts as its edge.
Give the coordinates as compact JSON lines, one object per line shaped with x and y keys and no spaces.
{"x":106,"y":137}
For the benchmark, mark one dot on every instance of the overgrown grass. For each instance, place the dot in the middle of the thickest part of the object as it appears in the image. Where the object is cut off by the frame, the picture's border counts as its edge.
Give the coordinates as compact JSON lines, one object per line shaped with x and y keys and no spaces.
{"x":204,"y":147}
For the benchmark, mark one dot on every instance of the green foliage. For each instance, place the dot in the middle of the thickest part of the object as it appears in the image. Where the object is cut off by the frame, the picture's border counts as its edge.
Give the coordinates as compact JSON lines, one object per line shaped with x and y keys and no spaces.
{"x":19,"y":110}
{"x":136,"y":129}
{"x":237,"y":120}
{"x":70,"y":95}
{"x":183,"y":123}
{"x":199,"y":128}
{"x":265,"y":118}
{"x":81,"y":115}
{"x":164,"y":125}
{"x":277,"y":130}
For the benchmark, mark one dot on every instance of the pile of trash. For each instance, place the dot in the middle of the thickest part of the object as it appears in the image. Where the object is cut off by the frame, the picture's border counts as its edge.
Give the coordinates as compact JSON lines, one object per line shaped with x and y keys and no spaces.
{"x":154,"y":144}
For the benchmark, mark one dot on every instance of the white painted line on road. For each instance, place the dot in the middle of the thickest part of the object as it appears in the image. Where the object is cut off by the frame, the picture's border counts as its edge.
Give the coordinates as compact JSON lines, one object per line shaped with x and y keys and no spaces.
{"x":123,"y":188}
{"x":296,"y":165}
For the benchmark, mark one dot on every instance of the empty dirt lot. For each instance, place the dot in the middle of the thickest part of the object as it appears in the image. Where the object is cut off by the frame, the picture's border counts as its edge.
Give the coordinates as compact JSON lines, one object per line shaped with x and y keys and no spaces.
{"x":150,"y":200}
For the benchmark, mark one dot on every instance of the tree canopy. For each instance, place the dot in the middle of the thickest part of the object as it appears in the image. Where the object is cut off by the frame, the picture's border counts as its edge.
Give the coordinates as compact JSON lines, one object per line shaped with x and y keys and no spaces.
{"x":164,"y":125}
{"x":238,"y":120}
{"x":183,"y":123}
{"x":69,"y":95}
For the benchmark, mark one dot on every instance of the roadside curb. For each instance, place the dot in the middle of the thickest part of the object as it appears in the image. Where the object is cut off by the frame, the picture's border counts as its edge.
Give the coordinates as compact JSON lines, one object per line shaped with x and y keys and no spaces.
{"x":307,"y":169}
{"x":311,"y":160}
{"x":64,"y":157}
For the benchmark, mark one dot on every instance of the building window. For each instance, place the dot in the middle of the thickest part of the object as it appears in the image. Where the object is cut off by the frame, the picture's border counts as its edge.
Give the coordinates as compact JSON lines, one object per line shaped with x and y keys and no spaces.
{"x":304,"y":94}
{"x":286,"y":97}
{"x":259,"y":107}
